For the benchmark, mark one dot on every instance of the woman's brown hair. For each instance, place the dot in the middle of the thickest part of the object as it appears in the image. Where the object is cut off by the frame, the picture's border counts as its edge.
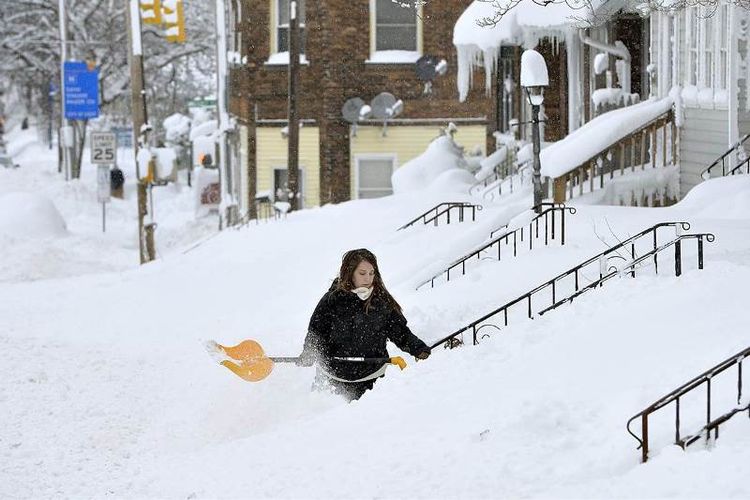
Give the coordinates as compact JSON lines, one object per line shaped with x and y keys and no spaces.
{"x":349,"y":263}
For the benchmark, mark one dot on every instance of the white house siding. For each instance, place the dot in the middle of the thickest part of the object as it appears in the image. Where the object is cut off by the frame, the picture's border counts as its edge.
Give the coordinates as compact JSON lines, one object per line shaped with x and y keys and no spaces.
{"x":703,"y":139}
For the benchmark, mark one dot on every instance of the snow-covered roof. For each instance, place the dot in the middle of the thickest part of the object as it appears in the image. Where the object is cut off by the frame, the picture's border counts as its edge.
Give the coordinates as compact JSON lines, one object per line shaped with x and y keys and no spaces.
{"x":524,"y":25}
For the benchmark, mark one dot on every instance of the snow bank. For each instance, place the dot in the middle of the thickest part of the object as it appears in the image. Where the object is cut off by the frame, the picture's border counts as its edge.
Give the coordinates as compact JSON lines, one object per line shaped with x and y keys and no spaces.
{"x":176,"y":126}
{"x":28,"y":215}
{"x":724,"y":197}
{"x":598,"y":134}
{"x":442,"y":156}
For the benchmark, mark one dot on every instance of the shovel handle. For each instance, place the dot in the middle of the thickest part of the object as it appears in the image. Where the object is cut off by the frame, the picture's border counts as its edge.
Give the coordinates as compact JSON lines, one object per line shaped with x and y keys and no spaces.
{"x":354,"y":359}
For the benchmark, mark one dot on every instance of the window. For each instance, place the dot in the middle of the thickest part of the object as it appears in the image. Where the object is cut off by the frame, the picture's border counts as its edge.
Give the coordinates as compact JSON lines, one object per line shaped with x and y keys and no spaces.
{"x":395,"y":31}
{"x":374,"y":177}
{"x":396,"y":26}
{"x":281,"y":185}
{"x":692,"y":36}
{"x":709,"y":45}
{"x":282,"y":25}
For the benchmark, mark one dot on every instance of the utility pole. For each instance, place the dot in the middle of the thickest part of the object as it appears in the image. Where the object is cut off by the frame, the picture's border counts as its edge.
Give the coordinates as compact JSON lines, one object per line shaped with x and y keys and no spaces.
{"x":140,"y":131}
{"x":65,"y":132}
{"x":293,"y":151}
{"x":227,"y":208}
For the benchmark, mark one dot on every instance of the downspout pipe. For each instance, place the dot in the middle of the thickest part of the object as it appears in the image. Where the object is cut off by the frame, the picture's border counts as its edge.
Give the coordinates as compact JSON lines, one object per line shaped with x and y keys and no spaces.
{"x":618,"y":50}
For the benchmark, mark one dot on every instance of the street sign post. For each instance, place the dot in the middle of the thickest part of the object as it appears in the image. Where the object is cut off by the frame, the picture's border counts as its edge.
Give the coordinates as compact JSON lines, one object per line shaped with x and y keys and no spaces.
{"x":103,"y":154}
{"x":103,"y":148}
{"x":81,"y":91}
{"x":103,"y":191}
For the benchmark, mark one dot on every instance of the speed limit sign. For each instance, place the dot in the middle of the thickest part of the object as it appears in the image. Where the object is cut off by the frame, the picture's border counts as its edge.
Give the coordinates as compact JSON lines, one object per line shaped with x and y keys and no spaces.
{"x":103,"y":148}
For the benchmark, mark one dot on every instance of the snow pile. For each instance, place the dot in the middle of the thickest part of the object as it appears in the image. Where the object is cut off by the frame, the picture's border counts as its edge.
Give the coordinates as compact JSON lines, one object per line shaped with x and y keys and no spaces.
{"x":176,"y":127}
{"x":639,"y":188}
{"x":598,"y":134}
{"x":28,"y":215}
{"x":441,"y":167}
{"x":725,"y":197}
{"x":166,"y":163}
{"x":492,"y":162}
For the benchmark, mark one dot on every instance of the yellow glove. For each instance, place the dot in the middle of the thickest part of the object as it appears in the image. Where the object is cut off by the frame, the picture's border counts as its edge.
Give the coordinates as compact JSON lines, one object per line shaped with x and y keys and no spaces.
{"x":398,"y":361}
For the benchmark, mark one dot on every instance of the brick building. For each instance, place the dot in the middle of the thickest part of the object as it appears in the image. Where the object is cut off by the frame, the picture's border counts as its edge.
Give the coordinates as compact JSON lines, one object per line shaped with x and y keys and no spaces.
{"x":351,"y":48}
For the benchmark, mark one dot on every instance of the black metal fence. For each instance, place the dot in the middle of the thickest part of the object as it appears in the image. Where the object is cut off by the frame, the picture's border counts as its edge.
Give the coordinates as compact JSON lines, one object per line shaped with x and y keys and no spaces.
{"x":444,"y":210}
{"x":724,"y":161}
{"x":569,"y":284}
{"x":712,"y":424}
{"x":512,"y":240}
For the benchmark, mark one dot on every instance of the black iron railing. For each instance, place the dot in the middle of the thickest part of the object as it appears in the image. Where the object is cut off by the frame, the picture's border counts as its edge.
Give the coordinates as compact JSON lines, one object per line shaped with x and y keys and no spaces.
{"x":520,"y":177}
{"x":624,"y":251}
{"x":512,"y":239}
{"x":445,"y":209}
{"x":723,"y":160}
{"x":743,"y":165}
{"x":712,"y":424}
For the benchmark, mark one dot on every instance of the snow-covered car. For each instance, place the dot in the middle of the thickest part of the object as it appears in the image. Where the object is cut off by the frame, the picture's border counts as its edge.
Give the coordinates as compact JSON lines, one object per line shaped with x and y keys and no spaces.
{"x":7,"y":162}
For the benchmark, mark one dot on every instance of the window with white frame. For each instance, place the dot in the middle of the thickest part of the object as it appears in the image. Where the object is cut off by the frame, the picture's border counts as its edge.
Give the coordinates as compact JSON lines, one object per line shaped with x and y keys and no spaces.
{"x":708,"y":42}
{"x":374,"y":177}
{"x":282,"y":25}
{"x":281,"y":185}
{"x":692,"y":40}
{"x":395,"y":26}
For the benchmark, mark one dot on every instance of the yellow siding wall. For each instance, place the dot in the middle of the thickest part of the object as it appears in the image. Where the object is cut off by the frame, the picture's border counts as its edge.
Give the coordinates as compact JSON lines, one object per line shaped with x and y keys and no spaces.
{"x":272,"y":152}
{"x":407,"y":142}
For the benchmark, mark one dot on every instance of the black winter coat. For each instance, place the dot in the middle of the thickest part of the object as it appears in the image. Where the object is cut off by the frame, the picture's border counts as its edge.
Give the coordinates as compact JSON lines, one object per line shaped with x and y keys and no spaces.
{"x":340,"y":327}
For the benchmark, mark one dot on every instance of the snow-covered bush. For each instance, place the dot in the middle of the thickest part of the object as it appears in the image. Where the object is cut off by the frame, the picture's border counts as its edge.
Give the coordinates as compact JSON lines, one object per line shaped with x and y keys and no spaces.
{"x":443,"y":164}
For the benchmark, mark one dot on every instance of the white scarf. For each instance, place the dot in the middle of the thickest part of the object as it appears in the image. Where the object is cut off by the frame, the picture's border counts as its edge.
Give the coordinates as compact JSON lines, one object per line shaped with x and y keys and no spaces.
{"x":362,"y":292}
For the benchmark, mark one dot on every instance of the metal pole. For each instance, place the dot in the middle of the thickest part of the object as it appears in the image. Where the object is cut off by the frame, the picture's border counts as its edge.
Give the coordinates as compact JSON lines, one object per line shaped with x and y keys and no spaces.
{"x":104,"y":217}
{"x":63,"y":56}
{"x":140,"y":130}
{"x":537,"y":178}
{"x":293,"y":146}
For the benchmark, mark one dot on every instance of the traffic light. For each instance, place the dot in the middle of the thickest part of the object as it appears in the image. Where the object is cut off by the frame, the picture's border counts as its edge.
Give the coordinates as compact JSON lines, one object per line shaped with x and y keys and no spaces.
{"x":173,"y":18}
{"x":151,"y":11}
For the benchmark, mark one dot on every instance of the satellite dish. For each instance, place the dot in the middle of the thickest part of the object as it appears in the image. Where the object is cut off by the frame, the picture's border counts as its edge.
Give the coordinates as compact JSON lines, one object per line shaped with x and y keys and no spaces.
{"x":425,"y":68}
{"x":381,"y":104}
{"x":351,"y":109}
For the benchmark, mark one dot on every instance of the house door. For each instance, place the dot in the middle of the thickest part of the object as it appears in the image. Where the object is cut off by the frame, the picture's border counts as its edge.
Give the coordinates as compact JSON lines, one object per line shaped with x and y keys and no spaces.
{"x":374,"y":177}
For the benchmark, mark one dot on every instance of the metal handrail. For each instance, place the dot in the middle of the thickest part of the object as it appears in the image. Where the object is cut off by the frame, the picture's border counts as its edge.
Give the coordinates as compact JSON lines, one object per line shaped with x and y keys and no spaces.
{"x":706,"y":173}
{"x":449,"y":205}
{"x":515,"y":234}
{"x":744,"y":163}
{"x":603,"y":259}
{"x":521,"y":171}
{"x":674,"y":396}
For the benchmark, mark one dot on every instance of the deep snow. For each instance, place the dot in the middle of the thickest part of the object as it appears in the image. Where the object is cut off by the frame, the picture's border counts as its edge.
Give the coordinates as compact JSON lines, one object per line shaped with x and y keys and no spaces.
{"x":105,"y":389}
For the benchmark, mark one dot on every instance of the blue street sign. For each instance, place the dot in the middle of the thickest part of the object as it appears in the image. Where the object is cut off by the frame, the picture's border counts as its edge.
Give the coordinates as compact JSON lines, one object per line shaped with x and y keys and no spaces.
{"x":81,"y":91}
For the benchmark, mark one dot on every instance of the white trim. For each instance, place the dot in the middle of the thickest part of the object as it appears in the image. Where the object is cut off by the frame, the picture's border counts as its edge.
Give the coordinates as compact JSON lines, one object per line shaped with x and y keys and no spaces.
{"x":370,"y":156}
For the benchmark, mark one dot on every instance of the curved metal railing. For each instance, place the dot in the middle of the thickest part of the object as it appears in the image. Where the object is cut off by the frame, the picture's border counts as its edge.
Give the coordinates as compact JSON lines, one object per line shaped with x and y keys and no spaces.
{"x":445,"y":208}
{"x":547,"y":216}
{"x":606,"y":272}
{"x":674,"y":397}
{"x":722,"y":160}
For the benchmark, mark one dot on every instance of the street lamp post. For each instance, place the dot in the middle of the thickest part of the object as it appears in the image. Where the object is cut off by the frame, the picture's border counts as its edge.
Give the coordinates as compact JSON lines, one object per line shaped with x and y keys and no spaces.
{"x":534,"y":78}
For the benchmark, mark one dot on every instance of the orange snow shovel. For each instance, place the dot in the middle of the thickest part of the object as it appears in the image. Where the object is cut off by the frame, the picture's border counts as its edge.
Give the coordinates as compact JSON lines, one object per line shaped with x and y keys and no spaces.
{"x":253,"y":365}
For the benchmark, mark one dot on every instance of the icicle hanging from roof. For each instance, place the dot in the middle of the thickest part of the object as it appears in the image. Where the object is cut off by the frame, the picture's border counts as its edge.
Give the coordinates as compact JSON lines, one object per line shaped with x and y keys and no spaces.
{"x":525,"y":24}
